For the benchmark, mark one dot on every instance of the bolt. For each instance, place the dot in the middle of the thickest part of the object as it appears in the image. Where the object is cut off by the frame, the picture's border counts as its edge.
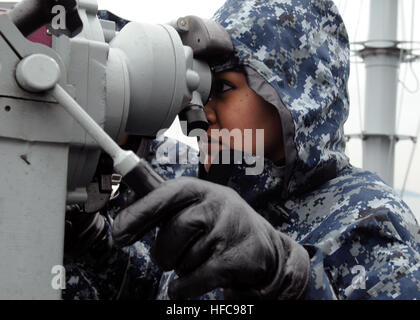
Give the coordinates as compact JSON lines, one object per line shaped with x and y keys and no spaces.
{"x":183,"y":24}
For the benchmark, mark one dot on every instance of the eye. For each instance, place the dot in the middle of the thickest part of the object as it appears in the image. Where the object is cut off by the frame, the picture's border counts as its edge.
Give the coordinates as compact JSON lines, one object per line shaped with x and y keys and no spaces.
{"x":221,"y":86}
{"x":225,"y":87}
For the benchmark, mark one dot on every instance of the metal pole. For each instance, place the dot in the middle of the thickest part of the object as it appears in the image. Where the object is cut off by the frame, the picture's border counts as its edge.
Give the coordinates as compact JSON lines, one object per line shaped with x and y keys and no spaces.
{"x":382,"y":60}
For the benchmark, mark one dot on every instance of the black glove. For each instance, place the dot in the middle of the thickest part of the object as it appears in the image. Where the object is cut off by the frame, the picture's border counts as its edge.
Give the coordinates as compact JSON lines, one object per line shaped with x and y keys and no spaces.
{"x":213,"y":239}
{"x":87,"y":236}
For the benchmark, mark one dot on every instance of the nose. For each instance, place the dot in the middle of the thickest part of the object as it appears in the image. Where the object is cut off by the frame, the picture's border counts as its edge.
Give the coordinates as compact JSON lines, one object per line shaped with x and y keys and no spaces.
{"x":210,"y":113}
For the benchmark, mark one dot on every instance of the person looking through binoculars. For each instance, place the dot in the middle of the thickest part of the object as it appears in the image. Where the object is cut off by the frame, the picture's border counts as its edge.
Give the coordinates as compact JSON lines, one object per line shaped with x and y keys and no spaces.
{"x":309,"y":225}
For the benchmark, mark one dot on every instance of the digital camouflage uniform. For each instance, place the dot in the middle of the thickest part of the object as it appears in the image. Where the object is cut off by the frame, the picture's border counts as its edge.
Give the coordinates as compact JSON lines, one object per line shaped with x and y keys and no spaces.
{"x":362,"y":239}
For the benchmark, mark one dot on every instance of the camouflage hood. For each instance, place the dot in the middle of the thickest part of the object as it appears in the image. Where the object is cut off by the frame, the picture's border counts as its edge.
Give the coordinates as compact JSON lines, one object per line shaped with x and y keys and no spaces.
{"x":301,"y":49}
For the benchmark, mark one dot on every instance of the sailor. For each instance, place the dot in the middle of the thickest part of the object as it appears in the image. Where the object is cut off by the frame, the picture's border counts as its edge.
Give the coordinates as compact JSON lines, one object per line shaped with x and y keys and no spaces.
{"x":309,"y":225}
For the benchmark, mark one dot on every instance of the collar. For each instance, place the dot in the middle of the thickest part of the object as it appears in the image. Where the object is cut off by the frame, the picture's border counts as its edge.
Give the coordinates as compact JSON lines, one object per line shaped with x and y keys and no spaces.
{"x":256,"y":179}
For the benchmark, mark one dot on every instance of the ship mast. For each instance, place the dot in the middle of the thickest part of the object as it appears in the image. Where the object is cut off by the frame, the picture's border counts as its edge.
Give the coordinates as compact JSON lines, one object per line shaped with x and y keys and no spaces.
{"x":382,"y":59}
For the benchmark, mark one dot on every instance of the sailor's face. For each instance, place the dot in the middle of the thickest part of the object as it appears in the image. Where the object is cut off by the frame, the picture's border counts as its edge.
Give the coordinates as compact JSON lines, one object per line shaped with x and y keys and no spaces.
{"x":236,"y":107}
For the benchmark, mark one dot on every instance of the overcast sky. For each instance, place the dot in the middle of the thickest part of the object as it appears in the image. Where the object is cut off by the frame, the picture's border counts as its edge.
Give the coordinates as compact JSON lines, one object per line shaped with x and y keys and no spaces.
{"x":355,"y":14}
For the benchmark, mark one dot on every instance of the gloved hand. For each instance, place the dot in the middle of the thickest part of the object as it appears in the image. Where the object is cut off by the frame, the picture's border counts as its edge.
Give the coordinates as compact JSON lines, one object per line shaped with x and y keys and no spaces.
{"x":213,"y":239}
{"x":87,"y":236}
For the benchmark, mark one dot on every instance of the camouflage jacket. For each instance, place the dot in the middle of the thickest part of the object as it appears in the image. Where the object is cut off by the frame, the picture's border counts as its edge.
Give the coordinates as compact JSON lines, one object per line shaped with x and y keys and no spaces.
{"x":362,"y":239}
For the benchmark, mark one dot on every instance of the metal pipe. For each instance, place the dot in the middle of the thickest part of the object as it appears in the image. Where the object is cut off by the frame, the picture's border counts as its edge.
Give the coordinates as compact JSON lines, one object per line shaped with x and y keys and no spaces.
{"x":382,"y":61}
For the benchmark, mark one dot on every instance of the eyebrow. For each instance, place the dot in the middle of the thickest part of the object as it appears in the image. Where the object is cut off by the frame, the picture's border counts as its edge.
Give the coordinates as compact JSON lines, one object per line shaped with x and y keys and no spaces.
{"x":238,"y":69}
{"x":223,"y":77}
